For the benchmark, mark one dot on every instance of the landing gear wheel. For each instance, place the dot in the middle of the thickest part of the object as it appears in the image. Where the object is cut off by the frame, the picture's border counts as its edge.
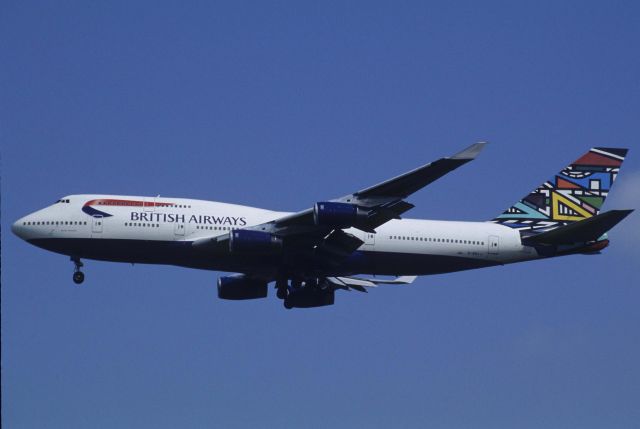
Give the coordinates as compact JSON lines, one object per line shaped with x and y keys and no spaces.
{"x":287,"y":304}
{"x":282,"y":285}
{"x":78,"y":277}
{"x":282,"y":293}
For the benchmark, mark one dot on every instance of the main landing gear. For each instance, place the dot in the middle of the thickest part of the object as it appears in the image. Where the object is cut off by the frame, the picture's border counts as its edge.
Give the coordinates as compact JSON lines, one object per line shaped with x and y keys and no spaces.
{"x":282,"y":288}
{"x":78,"y":276}
{"x":310,"y":292}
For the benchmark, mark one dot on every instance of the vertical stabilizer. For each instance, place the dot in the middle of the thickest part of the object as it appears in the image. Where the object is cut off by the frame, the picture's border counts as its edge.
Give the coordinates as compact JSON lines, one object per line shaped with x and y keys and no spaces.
{"x":574,"y":194}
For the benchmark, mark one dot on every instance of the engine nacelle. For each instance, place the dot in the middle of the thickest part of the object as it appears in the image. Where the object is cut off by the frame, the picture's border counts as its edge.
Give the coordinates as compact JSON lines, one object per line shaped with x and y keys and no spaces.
{"x":307,"y":297}
{"x":338,"y":215}
{"x":248,"y":242}
{"x":241,"y":287}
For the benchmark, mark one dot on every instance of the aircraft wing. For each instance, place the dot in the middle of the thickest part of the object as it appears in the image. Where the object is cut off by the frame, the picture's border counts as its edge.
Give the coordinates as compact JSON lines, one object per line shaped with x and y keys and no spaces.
{"x":406,"y":184}
{"x":317,"y":235}
{"x":372,"y":206}
{"x":360,"y":284}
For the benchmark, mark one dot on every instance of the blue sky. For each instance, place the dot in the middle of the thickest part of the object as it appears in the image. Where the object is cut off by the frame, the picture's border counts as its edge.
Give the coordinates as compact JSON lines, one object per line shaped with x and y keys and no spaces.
{"x":282,"y":104}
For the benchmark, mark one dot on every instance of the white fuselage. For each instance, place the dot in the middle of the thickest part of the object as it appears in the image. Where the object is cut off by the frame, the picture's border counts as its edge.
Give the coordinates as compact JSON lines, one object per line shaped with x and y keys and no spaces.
{"x":158,"y":230}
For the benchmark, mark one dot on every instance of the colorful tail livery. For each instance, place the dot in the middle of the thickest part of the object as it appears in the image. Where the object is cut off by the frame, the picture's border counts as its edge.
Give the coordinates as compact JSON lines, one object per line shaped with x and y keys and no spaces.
{"x":574,"y":194}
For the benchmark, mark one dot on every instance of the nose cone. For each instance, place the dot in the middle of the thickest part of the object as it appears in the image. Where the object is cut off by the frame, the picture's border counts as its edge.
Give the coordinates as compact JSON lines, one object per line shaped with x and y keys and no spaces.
{"x":18,"y":228}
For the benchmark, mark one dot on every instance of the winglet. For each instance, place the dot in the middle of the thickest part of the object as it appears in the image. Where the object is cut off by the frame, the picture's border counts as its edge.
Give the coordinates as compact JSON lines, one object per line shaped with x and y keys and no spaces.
{"x":471,"y":152}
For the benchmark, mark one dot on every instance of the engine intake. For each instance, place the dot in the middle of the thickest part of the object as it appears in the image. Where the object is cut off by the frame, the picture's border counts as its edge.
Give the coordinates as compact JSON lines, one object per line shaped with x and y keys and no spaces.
{"x":338,"y":215}
{"x":240,"y":287}
{"x":247,"y":242}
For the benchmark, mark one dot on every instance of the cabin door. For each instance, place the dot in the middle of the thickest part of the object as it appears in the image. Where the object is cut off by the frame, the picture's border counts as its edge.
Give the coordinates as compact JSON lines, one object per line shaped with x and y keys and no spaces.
{"x":178,"y":230}
{"x":369,"y":239}
{"x":96,"y":226}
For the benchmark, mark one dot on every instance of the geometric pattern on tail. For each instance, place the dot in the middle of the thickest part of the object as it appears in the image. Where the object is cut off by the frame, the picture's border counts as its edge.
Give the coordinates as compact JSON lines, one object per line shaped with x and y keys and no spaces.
{"x":575,"y":193}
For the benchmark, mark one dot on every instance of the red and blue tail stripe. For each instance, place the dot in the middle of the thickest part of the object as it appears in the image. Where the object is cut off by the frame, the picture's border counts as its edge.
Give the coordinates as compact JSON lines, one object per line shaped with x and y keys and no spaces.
{"x":91,"y":211}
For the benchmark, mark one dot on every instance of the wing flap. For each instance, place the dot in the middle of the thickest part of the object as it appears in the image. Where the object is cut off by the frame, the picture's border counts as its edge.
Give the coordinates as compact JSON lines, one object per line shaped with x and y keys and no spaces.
{"x":385,"y":213}
{"x":217,"y":242}
{"x":337,"y":246}
{"x":361,"y":284}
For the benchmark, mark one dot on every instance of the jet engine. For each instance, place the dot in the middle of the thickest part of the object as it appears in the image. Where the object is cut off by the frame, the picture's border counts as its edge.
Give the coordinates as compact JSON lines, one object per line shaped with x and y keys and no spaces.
{"x":241,"y":287}
{"x":248,"y":242}
{"x":338,"y":215}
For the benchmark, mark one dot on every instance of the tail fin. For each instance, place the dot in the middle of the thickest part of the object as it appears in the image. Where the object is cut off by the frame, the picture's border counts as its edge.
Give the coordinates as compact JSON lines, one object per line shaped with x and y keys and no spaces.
{"x":574,"y":194}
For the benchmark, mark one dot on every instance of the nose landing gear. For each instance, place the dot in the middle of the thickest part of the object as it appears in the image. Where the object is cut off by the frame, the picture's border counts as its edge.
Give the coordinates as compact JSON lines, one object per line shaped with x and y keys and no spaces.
{"x":78,"y":276}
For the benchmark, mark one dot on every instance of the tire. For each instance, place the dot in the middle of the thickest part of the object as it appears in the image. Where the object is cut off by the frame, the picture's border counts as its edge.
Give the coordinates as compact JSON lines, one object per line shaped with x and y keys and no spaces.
{"x":78,"y":277}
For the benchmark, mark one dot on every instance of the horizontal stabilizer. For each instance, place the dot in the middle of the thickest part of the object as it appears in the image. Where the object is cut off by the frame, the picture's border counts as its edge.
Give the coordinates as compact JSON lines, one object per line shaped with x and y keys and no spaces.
{"x":579,"y":232}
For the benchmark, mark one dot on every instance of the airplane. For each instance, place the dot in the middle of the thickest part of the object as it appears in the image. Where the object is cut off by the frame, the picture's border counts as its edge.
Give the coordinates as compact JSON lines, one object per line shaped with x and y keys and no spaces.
{"x":330,"y":246}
